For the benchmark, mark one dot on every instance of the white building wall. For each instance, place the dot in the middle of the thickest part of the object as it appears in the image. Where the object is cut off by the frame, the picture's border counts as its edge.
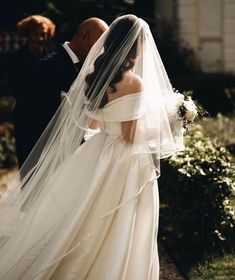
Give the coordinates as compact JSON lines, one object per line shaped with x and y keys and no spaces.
{"x":211,"y":35}
{"x":208,"y":26}
{"x":187,"y":13}
{"x":229,"y":35}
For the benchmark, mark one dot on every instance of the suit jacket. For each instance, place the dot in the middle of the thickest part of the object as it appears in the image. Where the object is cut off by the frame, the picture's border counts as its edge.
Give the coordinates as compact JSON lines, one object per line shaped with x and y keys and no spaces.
{"x":22,"y":65}
{"x":55,"y":73}
{"x":40,"y":97}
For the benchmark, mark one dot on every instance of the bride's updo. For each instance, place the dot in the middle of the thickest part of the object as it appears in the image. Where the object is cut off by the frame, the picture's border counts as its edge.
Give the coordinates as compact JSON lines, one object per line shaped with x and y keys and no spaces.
{"x":119,"y":33}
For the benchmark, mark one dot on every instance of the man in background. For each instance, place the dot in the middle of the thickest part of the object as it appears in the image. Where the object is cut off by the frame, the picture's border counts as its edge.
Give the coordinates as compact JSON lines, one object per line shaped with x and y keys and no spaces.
{"x":57,"y":71}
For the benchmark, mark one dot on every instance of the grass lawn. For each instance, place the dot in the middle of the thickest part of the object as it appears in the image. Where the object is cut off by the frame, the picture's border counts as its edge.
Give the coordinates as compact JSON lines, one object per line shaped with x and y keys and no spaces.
{"x":218,"y":269}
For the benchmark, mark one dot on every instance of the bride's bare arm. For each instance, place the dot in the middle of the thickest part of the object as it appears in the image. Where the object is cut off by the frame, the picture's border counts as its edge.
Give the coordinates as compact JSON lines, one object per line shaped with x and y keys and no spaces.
{"x":94,"y":124}
{"x":129,"y":127}
{"x":128,"y":130}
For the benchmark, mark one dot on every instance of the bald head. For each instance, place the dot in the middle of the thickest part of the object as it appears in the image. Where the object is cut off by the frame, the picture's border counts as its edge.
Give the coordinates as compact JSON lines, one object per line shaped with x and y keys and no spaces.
{"x":88,"y":32}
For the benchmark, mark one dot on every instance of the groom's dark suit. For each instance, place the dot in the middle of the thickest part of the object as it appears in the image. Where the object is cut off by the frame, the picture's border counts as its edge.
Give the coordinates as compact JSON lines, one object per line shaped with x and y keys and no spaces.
{"x":22,"y":66}
{"x":54,"y":73}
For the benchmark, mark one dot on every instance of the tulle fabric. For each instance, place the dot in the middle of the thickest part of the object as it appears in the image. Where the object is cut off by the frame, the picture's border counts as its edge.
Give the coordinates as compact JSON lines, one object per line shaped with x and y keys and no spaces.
{"x":159,"y":134}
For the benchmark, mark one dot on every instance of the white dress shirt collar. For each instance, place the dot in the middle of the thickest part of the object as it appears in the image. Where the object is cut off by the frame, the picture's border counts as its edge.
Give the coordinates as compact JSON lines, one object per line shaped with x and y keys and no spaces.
{"x":71,"y":54}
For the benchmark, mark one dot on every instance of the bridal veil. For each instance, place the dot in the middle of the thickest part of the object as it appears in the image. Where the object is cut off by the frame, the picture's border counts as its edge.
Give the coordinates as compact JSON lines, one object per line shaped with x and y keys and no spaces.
{"x":159,"y":132}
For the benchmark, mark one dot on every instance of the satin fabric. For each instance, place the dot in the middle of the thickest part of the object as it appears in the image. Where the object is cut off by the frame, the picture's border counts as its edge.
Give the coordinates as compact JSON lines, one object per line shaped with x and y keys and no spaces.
{"x":105,"y":199}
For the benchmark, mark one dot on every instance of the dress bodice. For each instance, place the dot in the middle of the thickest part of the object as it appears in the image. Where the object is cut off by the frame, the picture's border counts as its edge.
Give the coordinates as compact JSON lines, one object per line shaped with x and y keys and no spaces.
{"x":125,"y":108}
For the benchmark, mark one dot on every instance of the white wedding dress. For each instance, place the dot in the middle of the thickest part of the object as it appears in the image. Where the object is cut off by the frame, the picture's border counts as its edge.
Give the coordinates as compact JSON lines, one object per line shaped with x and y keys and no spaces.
{"x":110,"y":199}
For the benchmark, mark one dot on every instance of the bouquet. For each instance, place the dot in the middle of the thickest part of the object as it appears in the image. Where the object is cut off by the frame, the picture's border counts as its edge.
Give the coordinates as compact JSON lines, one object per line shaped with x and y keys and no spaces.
{"x":187,"y":110}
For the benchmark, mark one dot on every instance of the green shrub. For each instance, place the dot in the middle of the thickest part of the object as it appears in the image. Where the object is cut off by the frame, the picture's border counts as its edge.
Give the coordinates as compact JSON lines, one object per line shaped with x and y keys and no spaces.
{"x":196,"y":190}
{"x":221,"y":128}
{"x":8,"y":157}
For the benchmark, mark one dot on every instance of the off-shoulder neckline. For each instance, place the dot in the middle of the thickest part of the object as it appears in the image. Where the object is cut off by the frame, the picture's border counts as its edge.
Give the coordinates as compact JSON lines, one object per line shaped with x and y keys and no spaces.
{"x":122,"y":97}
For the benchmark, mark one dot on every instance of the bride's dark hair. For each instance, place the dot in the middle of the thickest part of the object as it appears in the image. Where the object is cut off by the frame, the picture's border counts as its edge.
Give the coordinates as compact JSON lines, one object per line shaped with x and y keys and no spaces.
{"x":116,"y":36}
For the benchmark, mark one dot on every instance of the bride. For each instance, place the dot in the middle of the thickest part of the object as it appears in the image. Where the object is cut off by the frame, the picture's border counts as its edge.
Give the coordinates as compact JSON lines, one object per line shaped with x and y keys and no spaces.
{"x":90,"y":211}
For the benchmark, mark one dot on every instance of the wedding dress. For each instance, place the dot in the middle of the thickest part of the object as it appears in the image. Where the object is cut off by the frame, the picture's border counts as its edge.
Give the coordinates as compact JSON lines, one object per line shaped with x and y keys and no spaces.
{"x":102,"y":177}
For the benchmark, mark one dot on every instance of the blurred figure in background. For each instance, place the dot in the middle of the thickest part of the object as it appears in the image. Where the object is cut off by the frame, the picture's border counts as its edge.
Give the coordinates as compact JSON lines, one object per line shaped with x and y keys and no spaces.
{"x":36,"y":30}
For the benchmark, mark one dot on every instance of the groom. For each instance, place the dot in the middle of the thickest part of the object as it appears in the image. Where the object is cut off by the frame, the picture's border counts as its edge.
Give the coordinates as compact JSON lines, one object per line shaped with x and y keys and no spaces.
{"x":56,"y":72}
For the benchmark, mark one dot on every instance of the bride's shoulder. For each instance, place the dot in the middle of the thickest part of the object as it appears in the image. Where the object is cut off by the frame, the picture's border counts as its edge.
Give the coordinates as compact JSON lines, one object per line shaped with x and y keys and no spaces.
{"x":130,"y":84}
{"x":134,"y":84}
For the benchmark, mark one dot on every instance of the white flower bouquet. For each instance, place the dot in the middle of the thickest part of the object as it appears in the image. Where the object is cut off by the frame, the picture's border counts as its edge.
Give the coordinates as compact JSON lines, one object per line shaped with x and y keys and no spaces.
{"x":187,"y":110}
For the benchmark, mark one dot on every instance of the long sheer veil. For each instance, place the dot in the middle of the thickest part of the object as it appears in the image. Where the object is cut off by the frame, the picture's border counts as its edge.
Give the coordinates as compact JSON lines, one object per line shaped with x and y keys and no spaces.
{"x":158,"y":132}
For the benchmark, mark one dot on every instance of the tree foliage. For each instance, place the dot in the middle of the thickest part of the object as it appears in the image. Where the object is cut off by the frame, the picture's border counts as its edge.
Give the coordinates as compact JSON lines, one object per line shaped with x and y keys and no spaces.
{"x":68,"y":14}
